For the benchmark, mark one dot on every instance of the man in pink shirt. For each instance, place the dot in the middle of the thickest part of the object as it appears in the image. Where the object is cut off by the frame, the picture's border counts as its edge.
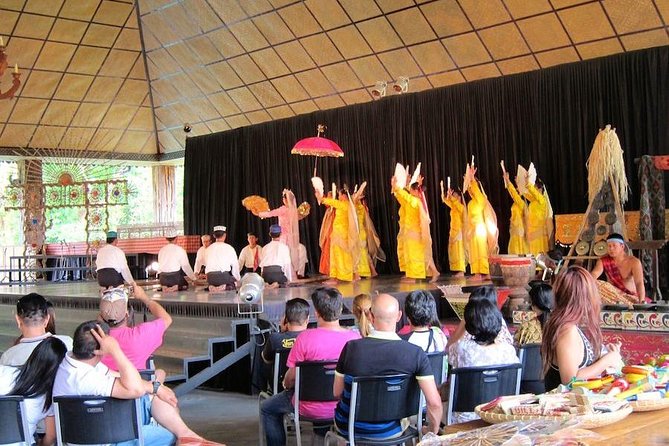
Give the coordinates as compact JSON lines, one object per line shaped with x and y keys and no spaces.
{"x":322,"y":343}
{"x":139,"y":342}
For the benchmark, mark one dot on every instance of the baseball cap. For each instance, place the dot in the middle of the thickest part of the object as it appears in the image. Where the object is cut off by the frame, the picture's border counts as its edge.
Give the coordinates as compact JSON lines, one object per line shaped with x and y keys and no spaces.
{"x":114,"y":305}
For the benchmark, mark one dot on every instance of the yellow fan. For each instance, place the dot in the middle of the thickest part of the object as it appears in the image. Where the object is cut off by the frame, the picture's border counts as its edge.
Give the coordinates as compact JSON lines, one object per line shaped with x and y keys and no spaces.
{"x":303,"y":210}
{"x":255,"y":204}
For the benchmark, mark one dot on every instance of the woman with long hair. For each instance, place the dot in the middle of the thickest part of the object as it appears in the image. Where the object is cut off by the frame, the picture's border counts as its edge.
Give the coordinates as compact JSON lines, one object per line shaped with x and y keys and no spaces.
{"x":361,"y":308}
{"x":572,"y":340}
{"x":34,"y":381}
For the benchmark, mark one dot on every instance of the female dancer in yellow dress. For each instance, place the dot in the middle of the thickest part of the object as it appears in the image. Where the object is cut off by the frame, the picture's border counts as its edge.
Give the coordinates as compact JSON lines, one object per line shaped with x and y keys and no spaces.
{"x":539,"y":218}
{"x":517,"y":241}
{"x":456,"y":242}
{"x":344,"y":251}
{"x":370,"y":244}
{"x":481,"y":227}
{"x":416,"y":249}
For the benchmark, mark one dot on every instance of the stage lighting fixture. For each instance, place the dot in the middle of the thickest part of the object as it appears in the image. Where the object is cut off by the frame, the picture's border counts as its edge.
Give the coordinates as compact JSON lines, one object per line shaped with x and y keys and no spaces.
{"x":251,"y":293}
{"x":380,"y":90}
{"x":402,"y":85}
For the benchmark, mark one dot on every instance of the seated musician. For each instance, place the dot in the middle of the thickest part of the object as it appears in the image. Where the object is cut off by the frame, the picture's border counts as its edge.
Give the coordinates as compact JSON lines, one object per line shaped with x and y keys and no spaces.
{"x":623,"y":270}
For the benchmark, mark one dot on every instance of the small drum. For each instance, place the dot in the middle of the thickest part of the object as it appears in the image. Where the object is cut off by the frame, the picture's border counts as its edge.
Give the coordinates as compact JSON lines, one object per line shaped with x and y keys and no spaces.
{"x":512,"y":271}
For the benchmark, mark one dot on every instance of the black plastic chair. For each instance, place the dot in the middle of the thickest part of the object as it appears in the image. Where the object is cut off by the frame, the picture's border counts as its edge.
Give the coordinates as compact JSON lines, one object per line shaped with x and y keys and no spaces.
{"x":439,"y":363}
{"x":471,"y":386}
{"x":532,"y":378}
{"x":14,"y":427}
{"x":313,"y":382}
{"x":96,"y":420}
{"x":380,"y":399}
{"x":279,"y":369}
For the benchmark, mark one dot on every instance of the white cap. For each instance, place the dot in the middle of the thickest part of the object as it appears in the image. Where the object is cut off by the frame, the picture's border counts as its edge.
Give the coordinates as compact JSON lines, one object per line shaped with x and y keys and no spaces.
{"x":170,"y":233}
{"x":220,"y":228}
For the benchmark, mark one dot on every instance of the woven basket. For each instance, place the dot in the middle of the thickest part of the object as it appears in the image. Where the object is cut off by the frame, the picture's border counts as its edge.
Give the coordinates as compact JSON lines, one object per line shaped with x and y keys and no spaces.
{"x":647,"y":406}
{"x":585,"y":421}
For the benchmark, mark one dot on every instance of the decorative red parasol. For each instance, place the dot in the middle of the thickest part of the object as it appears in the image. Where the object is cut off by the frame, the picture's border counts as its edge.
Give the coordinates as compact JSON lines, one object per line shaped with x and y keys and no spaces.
{"x":317,"y":146}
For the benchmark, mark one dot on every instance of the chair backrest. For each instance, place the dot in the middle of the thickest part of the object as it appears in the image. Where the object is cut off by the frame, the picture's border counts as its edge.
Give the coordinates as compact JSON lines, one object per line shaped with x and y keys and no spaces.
{"x":97,"y":420}
{"x":279,"y":369}
{"x":471,"y":386}
{"x":439,"y":363}
{"x":314,"y":381}
{"x":377,"y":399}
{"x":530,"y":359}
{"x":14,"y":426}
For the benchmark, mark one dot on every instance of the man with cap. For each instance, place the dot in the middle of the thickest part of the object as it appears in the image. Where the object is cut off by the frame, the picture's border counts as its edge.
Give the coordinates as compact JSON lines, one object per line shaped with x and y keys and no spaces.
{"x":623,"y":270}
{"x":276,"y":263}
{"x":112,"y":265}
{"x":199,"y":258}
{"x":222,"y":265}
{"x":251,"y":255}
{"x":139,"y":342}
{"x":32,"y":318}
{"x":174,"y":265}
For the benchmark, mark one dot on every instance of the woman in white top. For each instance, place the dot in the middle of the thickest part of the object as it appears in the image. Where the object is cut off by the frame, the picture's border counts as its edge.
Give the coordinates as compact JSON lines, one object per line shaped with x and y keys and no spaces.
{"x":34,"y":381}
{"x":421,"y":310}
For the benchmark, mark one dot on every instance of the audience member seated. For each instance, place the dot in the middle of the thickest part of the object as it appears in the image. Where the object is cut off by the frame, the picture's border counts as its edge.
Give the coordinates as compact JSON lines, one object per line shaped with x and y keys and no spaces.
{"x":294,"y":322}
{"x":32,"y":318}
{"x":529,"y":332}
{"x":361,"y":307}
{"x":421,"y":310}
{"x":490,"y":294}
{"x":483,"y":322}
{"x":82,"y":373}
{"x":34,"y":381}
{"x":572,"y":338}
{"x":137,"y":342}
{"x":383,"y":353}
{"x":324,"y":342}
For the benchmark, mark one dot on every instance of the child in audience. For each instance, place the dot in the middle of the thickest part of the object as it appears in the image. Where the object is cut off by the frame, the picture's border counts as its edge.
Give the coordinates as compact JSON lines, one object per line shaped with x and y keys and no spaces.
{"x":530,"y":331}
{"x":425,"y":331}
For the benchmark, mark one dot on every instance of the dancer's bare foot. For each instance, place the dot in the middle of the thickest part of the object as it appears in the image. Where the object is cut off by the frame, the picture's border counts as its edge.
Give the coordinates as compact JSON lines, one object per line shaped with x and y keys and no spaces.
{"x":356,"y":277}
{"x":459,"y":274}
{"x":406,"y":279}
{"x":216,"y":289}
{"x":331,"y":282}
{"x":272,"y":285}
{"x":477,"y":277}
{"x":435,"y":277}
{"x":171,"y":289}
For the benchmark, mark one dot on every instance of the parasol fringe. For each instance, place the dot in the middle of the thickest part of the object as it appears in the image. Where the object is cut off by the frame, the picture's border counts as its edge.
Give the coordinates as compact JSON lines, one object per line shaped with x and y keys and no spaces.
{"x":606,"y":162}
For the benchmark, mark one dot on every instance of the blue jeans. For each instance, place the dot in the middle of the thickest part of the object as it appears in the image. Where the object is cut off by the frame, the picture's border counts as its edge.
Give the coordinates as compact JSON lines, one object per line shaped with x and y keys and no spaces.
{"x":153,"y":435}
{"x":272,"y":411}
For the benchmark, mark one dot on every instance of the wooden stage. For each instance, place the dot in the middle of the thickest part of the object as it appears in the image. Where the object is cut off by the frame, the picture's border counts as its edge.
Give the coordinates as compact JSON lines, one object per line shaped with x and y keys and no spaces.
{"x":197,"y":302}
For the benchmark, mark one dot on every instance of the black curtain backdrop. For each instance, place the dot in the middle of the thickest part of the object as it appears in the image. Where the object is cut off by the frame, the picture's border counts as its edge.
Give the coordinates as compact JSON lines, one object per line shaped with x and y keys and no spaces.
{"x":550,"y":117}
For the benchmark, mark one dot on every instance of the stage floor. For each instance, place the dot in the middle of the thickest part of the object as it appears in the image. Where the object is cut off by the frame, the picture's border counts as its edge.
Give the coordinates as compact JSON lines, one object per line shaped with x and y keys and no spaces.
{"x":225,"y":304}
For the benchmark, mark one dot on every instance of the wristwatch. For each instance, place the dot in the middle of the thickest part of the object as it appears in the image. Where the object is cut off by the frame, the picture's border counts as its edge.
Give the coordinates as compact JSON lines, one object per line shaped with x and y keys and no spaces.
{"x":156,"y":386}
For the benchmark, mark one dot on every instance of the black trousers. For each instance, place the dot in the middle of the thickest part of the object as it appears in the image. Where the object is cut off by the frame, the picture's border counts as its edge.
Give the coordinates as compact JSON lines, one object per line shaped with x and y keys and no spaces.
{"x":249,"y":270}
{"x":271,"y":274}
{"x":173,"y":278}
{"x":218,"y":278}
{"x":109,"y":277}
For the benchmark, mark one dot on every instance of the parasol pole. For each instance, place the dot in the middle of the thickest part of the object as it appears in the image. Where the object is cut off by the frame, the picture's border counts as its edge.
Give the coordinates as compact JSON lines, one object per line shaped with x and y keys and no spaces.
{"x":315,"y":165}
{"x":320,"y":129}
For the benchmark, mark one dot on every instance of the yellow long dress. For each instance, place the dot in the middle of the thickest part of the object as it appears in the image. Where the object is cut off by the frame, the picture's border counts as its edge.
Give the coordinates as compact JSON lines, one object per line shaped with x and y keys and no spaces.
{"x":537,"y":234}
{"x":456,"y":243}
{"x":400,"y":237}
{"x":341,"y":261}
{"x":477,"y":237}
{"x":364,"y":269}
{"x":413,"y":246}
{"x":517,"y":241}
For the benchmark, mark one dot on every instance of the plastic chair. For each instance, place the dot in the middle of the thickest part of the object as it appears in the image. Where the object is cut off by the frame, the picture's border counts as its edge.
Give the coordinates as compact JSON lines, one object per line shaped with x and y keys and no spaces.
{"x":471,"y":386}
{"x":532,"y":378}
{"x":439,"y":363}
{"x":14,"y":427}
{"x":313,"y":382}
{"x":279,"y":370}
{"x":96,"y":420}
{"x":380,"y":399}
